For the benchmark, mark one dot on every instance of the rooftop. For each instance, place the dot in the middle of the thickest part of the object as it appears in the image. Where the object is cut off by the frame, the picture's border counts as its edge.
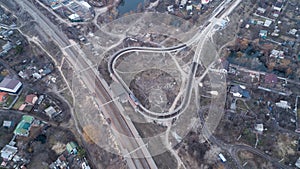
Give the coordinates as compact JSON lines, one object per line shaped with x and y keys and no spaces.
{"x":7,"y":124}
{"x":8,"y":152}
{"x":71,"y":146}
{"x":27,"y":118}
{"x":31,"y":99}
{"x":23,"y":127}
{"x":259,"y":127}
{"x":3,"y":96}
{"x":297,"y":164}
{"x":271,"y":78}
{"x":50,"y":111}
{"x":10,"y":85}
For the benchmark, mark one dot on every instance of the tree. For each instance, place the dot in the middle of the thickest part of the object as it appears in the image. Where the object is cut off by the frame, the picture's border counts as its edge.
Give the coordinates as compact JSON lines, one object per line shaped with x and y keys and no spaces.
{"x":285,"y":62}
{"x":19,"y":49}
{"x":271,"y":65}
{"x":288,"y":71}
{"x":81,"y":152}
{"x":239,"y":54}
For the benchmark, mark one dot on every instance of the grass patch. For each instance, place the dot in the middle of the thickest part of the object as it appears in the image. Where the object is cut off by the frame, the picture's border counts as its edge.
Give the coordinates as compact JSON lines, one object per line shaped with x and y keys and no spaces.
{"x":240,"y":104}
{"x":9,"y":100}
{"x":19,"y":102}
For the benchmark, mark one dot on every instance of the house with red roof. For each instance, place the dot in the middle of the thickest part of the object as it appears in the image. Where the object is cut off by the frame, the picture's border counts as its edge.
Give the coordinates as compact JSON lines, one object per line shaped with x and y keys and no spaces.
{"x":31,"y":99}
{"x":271,"y":79}
{"x":3,"y":96}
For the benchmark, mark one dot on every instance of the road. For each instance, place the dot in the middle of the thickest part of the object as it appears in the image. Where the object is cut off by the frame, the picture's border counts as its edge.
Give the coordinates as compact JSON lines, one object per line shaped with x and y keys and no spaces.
{"x":201,"y":36}
{"x":74,"y":55}
{"x":79,"y":62}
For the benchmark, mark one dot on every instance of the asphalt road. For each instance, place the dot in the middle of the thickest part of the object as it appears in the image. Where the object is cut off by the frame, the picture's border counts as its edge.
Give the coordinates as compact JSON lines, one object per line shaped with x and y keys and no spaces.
{"x":118,"y":121}
{"x":90,"y":77}
{"x":199,"y":38}
{"x":205,"y":31}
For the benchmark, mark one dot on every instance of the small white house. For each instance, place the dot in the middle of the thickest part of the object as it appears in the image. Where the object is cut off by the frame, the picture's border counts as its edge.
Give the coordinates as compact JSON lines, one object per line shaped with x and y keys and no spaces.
{"x":259,"y":128}
{"x":283,"y":104}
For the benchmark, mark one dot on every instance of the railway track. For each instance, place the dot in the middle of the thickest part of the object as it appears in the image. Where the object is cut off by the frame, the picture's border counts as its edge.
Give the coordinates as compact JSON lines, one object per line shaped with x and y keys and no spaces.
{"x":140,"y":163}
{"x":79,"y":63}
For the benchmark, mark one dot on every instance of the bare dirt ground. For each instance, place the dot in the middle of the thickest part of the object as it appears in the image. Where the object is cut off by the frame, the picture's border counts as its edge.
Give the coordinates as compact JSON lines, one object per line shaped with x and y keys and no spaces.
{"x":155,"y":80}
{"x":165,"y":161}
{"x":230,"y":32}
{"x":155,"y":89}
{"x":252,"y":161}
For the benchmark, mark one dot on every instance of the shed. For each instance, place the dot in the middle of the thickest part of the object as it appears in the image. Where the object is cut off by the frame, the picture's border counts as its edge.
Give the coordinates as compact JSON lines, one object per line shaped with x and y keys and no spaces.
{"x":7,"y":124}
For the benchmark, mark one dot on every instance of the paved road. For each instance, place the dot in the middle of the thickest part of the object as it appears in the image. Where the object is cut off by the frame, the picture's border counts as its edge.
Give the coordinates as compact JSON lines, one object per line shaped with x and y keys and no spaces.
{"x":201,"y":35}
{"x":78,"y":60}
{"x":112,"y":111}
{"x":274,"y":161}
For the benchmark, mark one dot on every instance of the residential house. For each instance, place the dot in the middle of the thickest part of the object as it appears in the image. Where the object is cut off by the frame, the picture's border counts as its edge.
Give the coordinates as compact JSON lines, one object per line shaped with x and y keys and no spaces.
{"x":189,"y":7}
{"x":3,"y":96}
{"x":31,"y":99}
{"x":60,"y":163}
{"x":293,"y":31}
{"x":72,"y":148}
{"x":7,"y":124}
{"x":261,"y":10}
{"x":277,"y":54}
{"x":271,"y":79}
{"x":267,"y":23}
{"x":8,"y":152}
{"x":24,"y":126}
{"x":205,"y":1}
{"x":263,"y":33}
{"x":278,"y":6}
{"x":50,"y":111}
{"x":283,"y":104}
{"x":238,"y":91}
{"x":75,"y":18}
{"x":182,"y":3}
{"x":84,"y":165}
{"x":259,"y":128}
{"x":170,"y":8}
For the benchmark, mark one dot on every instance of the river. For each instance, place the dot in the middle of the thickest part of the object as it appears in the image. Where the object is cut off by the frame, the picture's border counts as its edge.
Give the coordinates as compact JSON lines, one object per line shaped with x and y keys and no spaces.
{"x":128,"y":5}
